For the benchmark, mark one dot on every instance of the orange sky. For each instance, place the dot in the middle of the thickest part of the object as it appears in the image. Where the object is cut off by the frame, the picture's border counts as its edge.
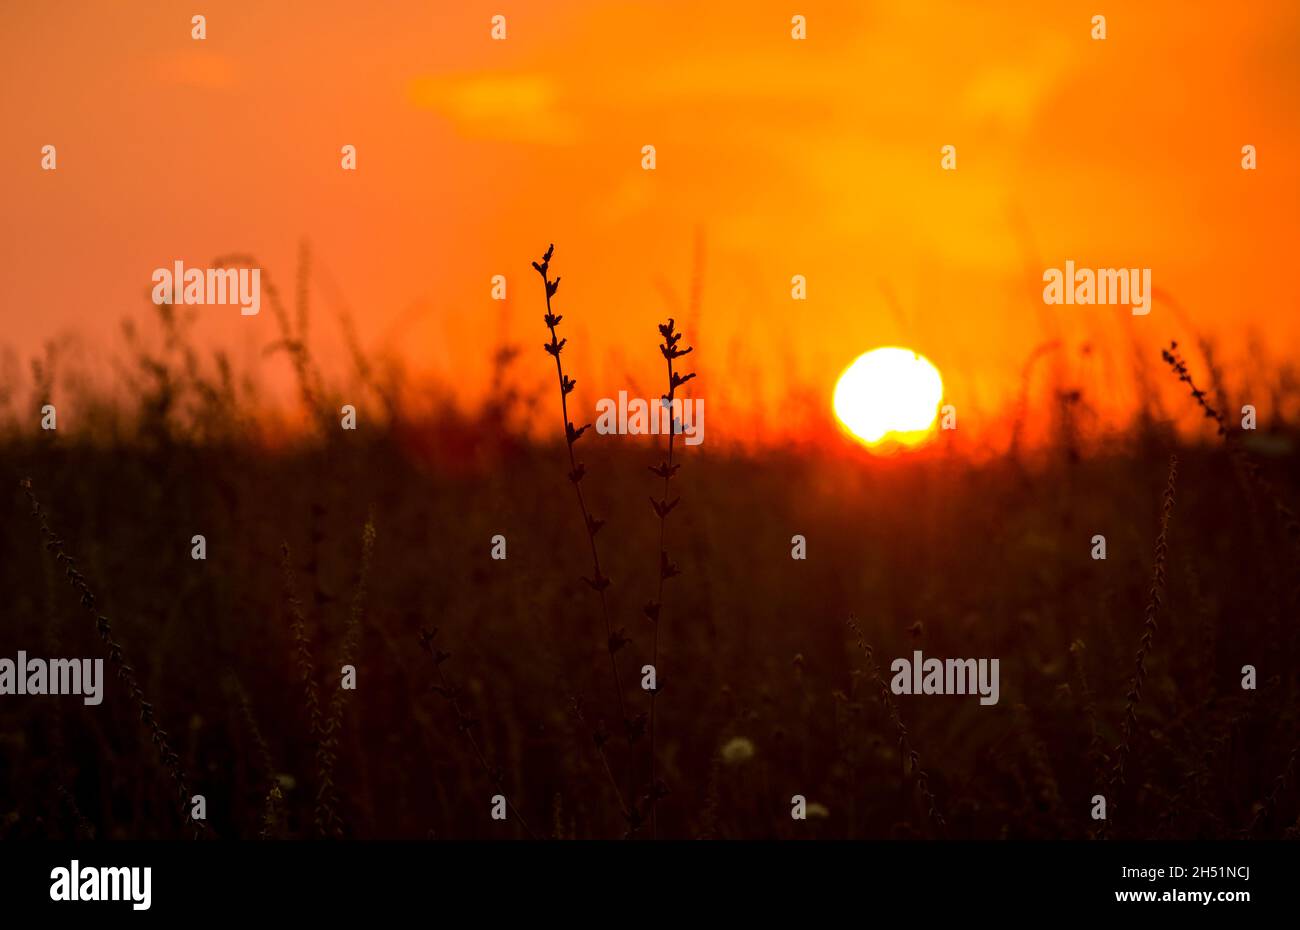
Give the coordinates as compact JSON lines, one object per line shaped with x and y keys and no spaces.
{"x":776,"y":158}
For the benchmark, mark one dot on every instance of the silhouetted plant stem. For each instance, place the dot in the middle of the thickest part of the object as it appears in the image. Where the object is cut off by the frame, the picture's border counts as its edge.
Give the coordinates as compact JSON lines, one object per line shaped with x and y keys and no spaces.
{"x":125,"y":672}
{"x":466,"y":724}
{"x":599,"y":582}
{"x":667,"y":568}
{"x":905,"y":748}
{"x":1246,"y":465}
{"x":1155,"y":598}
{"x":1268,"y":805}
{"x":327,"y":819}
{"x":599,"y":737}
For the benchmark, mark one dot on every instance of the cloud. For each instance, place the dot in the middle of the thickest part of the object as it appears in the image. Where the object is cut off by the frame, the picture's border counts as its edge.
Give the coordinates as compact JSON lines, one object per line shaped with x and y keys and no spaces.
{"x":504,"y":107}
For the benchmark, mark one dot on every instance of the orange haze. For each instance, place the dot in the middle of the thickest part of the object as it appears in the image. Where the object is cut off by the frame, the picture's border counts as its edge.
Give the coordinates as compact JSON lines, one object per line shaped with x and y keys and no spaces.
{"x":775,"y":158}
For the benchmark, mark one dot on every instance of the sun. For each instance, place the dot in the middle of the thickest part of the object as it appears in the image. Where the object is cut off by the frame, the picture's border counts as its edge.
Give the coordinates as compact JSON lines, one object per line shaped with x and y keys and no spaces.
{"x":888,"y":397}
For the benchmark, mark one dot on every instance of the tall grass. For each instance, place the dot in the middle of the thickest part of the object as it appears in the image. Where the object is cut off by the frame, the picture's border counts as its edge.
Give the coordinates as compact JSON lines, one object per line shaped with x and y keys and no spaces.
{"x":125,"y":672}
{"x":615,"y":639}
{"x":666,"y":470}
{"x":466,"y":723}
{"x":1150,"y":625}
{"x":960,"y":551}
{"x":913,"y":773}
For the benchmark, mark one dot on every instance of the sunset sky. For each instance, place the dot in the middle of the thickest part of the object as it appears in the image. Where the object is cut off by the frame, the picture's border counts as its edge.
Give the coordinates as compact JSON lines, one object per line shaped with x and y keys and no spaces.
{"x":775,"y":157}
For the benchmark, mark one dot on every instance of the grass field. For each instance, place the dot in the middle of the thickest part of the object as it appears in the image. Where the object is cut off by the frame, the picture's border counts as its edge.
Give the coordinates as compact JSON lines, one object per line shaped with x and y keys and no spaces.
{"x":1120,"y":677}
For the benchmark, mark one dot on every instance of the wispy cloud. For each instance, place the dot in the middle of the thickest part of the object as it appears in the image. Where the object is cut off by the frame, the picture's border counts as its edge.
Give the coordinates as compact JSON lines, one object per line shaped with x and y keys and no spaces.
{"x":505,"y":107}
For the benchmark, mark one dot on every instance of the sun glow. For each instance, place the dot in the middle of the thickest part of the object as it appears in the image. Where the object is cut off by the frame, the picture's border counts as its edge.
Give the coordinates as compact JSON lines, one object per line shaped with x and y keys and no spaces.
{"x":889,"y":397}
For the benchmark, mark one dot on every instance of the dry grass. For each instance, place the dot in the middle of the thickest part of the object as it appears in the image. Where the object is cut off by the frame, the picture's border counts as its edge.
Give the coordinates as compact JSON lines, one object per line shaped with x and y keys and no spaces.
{"x":125,"y":673}
{"x":615,"y":639}
{"x":667,"y":568}
{"x":768,"y":696}
{"x":913,"y":773}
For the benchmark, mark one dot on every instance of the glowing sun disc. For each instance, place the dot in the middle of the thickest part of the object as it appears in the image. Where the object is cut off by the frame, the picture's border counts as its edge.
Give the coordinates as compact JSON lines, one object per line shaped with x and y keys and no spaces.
{"x":889,"y":395}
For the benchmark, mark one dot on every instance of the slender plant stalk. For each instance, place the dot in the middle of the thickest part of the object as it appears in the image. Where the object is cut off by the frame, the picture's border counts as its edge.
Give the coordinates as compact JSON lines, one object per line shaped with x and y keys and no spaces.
{"x":309,"y":378}
{"x":905,"y":748}
{"x":1241,"y":459}
{"x":328,"y":822}
{"x":1096,"y":745}
{"x":599,"y":737}
{"x":599,"y":582}
{"x":667,"y":568}
{"x":125,"y":671}
{"x":450,"y":692}
{"x":333,"y":721}
{"x":272,"y":796}
{"x":1268,"y":805}
{"x":1155,"y":597}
